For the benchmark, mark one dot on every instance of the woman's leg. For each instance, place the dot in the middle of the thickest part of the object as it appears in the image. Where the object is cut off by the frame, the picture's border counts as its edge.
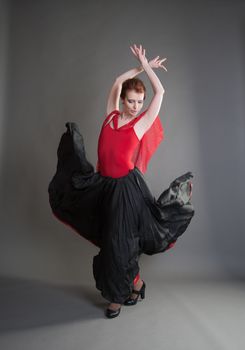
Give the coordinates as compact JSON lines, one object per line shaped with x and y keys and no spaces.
{"x":138,"y":283}
{"x":137,"y":286}
{"x":137,"y":277}
{"x":114,"y":306}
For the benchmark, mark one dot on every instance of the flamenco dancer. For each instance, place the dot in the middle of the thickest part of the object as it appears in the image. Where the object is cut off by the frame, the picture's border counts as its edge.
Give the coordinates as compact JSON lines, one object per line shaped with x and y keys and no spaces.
{"x":113,"y":207}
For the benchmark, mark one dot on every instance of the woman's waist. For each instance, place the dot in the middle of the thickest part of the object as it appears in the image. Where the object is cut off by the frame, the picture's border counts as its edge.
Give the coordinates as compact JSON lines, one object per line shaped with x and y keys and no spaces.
{"x":115,"y":172}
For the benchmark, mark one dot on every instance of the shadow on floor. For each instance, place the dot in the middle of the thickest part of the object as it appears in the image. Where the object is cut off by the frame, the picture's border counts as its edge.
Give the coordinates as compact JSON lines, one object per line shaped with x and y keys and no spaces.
{"x":25,"y":304}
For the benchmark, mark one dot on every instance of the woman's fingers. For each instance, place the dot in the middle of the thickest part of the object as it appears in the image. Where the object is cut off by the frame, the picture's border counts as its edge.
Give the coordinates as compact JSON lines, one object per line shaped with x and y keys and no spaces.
{"x":139,"y":49}
{"x":160,"y":63}
{"x":140,"y":53}
{"x":157,"y":63}
{"x":133,"y":51}
{"x":136,"y":48}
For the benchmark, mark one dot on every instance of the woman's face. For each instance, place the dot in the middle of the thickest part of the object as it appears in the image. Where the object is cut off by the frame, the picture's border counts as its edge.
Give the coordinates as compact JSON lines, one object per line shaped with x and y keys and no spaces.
{"x":133,"y":102}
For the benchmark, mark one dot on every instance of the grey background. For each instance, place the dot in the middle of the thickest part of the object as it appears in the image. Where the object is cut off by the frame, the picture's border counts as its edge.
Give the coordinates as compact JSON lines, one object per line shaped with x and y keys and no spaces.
{"x":58,"y":60}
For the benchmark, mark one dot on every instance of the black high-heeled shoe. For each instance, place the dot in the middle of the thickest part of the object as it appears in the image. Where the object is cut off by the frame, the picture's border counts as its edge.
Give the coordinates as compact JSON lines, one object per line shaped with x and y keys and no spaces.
{"x":141,"y":292}
{"x":112,"y":313}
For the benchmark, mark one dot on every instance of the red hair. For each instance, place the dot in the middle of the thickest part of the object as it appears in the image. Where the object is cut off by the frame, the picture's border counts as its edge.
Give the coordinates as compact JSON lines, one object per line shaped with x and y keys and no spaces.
{"x":132,"y":84}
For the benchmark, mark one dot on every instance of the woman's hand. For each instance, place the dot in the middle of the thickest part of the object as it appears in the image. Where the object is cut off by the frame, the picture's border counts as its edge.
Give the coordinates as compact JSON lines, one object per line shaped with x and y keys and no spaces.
{"x":140,"y":54}
{"x":157,"y":63}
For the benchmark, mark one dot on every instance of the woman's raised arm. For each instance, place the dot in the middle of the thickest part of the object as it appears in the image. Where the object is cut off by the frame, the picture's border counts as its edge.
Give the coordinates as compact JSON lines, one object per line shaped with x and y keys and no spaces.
{"x":114,"y":95}
{"x":154,"y":107}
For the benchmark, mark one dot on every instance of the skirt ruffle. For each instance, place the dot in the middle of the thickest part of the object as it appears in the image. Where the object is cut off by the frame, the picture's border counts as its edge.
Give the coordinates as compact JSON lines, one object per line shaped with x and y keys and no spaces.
{"x":119,"y":215}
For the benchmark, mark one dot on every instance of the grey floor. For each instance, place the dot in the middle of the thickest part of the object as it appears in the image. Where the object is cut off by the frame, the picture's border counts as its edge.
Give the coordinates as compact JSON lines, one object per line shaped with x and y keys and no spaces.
{"x":187,"y":314}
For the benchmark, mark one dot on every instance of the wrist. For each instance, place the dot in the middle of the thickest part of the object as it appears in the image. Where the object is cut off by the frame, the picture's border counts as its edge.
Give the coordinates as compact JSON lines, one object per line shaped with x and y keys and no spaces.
{"x":145,"y":64}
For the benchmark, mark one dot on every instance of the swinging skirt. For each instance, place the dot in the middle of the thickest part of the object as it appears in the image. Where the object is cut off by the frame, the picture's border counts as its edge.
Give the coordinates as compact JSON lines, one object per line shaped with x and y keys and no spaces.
{"x":119,"y":215}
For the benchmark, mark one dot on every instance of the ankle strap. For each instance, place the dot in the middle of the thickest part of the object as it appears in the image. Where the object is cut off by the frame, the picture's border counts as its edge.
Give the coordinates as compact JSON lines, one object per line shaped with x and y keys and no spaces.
{"x":136,"y":291}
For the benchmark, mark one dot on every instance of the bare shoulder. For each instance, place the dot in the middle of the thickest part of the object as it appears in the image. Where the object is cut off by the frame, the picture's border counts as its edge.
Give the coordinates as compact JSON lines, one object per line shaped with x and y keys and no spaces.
{"x":110,"y":118}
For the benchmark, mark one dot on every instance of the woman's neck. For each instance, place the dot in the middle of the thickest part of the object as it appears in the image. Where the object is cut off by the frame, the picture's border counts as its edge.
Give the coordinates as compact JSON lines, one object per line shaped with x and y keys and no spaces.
{"x":125,"y":116}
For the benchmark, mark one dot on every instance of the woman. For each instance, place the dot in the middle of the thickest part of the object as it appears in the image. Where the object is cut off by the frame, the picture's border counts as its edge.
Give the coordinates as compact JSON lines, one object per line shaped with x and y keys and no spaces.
{"x":113,"y":207}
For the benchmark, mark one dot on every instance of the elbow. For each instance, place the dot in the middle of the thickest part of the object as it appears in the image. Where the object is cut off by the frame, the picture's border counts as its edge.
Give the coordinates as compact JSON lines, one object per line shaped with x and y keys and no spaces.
{"x":160,"y":91}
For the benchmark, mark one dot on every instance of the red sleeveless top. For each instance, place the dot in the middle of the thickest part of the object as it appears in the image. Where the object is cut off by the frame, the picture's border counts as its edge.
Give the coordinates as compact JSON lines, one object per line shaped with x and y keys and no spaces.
{"x":120,"y":150}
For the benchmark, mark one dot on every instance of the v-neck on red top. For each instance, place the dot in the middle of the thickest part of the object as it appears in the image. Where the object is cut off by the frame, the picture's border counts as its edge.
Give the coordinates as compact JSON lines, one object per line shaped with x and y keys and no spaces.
{"x":120,"y":150}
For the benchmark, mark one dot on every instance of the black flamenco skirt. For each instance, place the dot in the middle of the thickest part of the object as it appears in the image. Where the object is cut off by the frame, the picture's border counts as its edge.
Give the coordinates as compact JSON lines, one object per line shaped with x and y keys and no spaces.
{"x":118,"y":215}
